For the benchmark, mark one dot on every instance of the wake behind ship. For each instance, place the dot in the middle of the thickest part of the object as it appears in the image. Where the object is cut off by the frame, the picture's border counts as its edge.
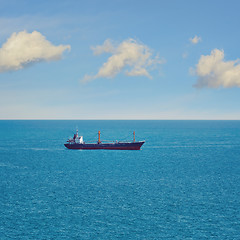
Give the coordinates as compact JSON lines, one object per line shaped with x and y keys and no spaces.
{"x":77,"y":143}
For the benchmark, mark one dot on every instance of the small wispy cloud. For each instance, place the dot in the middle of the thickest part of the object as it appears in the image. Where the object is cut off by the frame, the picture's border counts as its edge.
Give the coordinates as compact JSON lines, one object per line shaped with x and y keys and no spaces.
{"x":213,"y":71}
{"x":196,"y":39}
{"x":131,"y":57}
{"x":24,"y":48}
{"x":185,"y":55}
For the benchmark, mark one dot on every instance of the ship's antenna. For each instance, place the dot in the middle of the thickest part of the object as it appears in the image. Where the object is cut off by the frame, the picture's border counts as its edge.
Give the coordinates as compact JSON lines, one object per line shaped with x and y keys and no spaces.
{"x":99,"y":141}
{"x":133,"y":136}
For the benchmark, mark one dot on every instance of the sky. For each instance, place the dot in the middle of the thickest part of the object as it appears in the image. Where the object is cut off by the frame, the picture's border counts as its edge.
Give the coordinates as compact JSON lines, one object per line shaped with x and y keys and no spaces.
{"x":121,"y":59}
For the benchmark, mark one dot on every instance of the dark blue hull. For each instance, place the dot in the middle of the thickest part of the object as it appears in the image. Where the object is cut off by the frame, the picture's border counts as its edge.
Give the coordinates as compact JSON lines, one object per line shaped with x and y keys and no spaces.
{"x":107,"y":146}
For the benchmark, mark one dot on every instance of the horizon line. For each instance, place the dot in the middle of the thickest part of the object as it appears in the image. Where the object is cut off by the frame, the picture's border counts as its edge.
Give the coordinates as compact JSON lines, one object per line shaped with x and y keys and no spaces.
{"x":53,"y":119}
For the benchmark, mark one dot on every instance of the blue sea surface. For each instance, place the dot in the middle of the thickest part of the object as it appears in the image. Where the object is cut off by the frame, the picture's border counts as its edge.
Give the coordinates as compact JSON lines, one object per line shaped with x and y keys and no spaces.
{"x":183,"y":184}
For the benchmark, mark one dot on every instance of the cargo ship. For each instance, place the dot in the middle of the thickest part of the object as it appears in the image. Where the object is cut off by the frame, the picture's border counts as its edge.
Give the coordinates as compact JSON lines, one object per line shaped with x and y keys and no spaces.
{"x":77,"y":143}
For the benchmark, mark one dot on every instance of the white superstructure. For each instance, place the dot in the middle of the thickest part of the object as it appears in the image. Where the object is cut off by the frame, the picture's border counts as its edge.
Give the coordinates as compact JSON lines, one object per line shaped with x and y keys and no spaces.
{"x":76,"y":139}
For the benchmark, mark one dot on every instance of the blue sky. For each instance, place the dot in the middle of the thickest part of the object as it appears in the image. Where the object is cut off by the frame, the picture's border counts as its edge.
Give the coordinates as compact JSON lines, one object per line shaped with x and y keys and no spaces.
{"x":148,"y":67}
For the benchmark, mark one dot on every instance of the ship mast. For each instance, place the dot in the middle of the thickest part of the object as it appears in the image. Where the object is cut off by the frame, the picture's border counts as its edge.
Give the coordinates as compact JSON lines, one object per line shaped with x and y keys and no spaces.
{"x":99,"y":141}
{"x":133,"y":136}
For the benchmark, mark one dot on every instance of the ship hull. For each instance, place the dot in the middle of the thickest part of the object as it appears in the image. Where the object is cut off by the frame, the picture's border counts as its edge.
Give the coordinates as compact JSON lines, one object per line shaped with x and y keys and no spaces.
{"x":106,"y":146}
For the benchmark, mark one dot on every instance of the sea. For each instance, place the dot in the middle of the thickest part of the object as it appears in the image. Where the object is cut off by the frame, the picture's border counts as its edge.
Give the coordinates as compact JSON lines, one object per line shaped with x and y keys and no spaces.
{"x":183,"y":184}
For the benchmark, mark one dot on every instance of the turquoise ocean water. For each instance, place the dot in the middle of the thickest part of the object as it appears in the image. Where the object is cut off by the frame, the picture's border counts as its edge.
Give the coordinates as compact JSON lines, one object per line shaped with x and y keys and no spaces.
{"x":183,"y":184}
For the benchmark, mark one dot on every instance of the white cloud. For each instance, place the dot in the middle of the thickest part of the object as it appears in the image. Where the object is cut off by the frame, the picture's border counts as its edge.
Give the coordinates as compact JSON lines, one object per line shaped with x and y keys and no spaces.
{"x":214,"y":72}
{"x":195,"y":39}
{"x":106,"y":47}
{"x":24,"y":48}
{"x":130,"y":57}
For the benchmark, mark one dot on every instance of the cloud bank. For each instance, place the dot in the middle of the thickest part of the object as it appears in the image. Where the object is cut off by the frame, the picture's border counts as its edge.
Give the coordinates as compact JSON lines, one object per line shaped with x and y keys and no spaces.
{"x":195,"y":39}
{"x":130,"y":57}
{"x":24,"y":48}
{"x":214,"y":72}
